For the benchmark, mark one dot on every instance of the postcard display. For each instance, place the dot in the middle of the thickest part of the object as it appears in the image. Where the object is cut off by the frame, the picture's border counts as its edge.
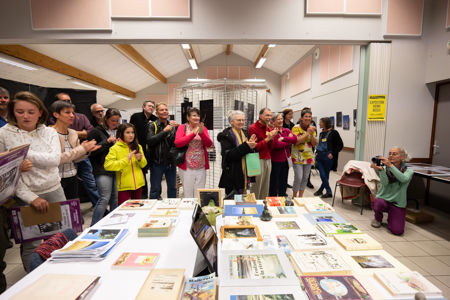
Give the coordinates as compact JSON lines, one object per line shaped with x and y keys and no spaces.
{"x":297,"y":260}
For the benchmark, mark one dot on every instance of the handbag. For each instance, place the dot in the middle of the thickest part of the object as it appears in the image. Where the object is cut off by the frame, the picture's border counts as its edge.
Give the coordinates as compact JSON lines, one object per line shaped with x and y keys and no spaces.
{"x":178,"y":155}
{"x":289,"y":160}
{"x":253,"y":164}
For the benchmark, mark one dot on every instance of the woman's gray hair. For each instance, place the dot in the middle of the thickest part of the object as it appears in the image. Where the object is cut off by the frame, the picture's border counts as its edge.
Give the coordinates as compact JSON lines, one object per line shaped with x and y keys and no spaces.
{"x":275,"y":116}
{"x":233,"y":113}
{"x":404,"y":153}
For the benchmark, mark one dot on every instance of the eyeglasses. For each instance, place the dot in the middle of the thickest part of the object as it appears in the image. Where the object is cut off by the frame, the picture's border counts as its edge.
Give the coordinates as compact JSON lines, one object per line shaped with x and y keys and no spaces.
{"x":98,"y":111}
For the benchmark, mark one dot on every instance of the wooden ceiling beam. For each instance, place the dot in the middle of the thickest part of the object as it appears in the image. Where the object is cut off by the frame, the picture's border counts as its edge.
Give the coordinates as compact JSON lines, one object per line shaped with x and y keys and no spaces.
{"x":136,"y":57}
{"x":60,"y":67}
{"x":261,"y":54}
{"x":228,"y":49}
{"x":191,"y":51}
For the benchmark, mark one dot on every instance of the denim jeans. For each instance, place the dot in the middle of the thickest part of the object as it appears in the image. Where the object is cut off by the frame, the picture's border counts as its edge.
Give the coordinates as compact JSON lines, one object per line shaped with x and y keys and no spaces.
{"x":324,"y":164}
{"x":156,"y":174}
{"x":84,"y":169}
{"x":107,"y":190}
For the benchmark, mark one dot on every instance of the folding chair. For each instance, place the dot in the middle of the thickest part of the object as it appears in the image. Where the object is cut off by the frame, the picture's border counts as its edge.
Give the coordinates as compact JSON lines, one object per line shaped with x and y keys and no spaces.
{"x":352,"y":180}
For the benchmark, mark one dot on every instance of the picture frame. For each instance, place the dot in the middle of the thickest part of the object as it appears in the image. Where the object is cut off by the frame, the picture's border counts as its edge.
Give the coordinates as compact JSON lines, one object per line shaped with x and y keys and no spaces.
{"x":230,"y":228}
{"x":205,"y":195}
{"x":346,"y":122}
{"x":339,"y":119}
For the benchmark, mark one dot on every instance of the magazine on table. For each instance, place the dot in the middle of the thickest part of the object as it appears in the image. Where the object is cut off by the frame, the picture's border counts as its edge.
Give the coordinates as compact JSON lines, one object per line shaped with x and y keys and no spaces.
{"x":71,"y":218}
{"x":10,"y":172}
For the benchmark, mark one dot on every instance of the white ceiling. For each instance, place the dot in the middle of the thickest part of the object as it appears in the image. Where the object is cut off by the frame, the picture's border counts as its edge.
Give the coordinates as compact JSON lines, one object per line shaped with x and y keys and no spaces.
{"x":106,"y":62}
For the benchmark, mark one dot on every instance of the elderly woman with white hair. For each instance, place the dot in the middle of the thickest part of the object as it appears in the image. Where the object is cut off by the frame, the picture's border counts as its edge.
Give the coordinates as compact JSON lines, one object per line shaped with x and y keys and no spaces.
{"x":395,"y":177}
{"x":235,"y":143}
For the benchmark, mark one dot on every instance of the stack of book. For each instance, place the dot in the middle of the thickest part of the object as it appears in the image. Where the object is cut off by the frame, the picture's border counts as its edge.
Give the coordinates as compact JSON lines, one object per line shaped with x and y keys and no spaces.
{"x":282,"y":211}
{"x":275,"y":201}
{"x":169,"y":203}
{"x":188,"y":203}
{"x":330,"y":229}
{"x":162,"y":284}
{"x":302,"y":201}
{"x":159,"y":227}
{"x":319,"y":208}
{"x":245,"y":199}
{"x":93,"y":245}
{"x":165,"y":213}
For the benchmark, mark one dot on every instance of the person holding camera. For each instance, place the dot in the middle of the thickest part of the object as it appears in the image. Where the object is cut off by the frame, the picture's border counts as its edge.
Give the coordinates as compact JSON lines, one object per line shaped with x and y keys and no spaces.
{"x":391,"y":197}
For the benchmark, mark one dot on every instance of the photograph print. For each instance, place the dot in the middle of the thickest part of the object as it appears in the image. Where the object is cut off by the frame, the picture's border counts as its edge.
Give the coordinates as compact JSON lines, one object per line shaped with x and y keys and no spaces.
{"x":372,"y":261}
{"x":206,"y":195}
{"x":339,"y":119}
{"x":346,"y":120}
{"x":354,"y":117}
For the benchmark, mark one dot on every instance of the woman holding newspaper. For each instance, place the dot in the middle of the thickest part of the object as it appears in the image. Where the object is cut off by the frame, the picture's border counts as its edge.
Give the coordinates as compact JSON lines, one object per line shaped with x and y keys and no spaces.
{"x":41,"y":185}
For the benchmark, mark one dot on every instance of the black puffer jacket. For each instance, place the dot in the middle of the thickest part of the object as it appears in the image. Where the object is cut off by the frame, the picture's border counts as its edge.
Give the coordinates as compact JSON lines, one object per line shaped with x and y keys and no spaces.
{"x":156,"y":141}
{"x":232,"y":175}
{"x":97,"y":157}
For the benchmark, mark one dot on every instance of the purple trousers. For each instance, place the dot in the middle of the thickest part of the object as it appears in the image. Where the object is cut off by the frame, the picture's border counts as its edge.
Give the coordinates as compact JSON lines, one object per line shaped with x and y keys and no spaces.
{"x":396,"y":215}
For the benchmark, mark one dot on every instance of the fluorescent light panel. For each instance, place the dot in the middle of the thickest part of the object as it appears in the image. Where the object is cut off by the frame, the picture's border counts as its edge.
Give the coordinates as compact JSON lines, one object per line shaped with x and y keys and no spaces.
{"x":186,"y":46}
{"x":193,"y":63}
{"x":261,"y":61}
{"x":122,"y":96}
{"x":272,"y":45}
{"x":17,"y":64}
{"x":82,"y":83}
{"x":201,"y":80}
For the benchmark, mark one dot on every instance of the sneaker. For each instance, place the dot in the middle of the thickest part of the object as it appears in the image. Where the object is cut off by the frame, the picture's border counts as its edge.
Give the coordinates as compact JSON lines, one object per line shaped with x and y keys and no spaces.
{"x":289,"y":186}
{"x":318,"y":193}
{"x":309,"y":184}
{"x":328,"y":195}
{"x":375,"y":223}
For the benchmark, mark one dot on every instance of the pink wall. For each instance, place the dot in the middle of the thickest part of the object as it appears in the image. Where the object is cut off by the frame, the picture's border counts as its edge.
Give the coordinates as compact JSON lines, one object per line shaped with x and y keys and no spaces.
{"x":158,"y":98}
{"x":130,"y":8}
{"x":300,"y":77}
{"x":70,"y":14}
{"x":404,"y":17}
{"x":170,"y":8}
{"x":363,"y":7}
{"x":335,"y":60}
{"x":172,"y":92}
{"x":325,"y":6}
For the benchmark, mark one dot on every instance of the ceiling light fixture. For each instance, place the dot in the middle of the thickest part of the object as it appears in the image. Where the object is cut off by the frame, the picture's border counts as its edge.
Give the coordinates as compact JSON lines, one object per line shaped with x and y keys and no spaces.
{"x":261,"y":61}
{"x":19,"y":63}
{"x":122,"y":96}
{"x":84,"y":84}
{"x":186,"y":46}
{"x":272,"y":45}
{"x":193,"y":63}
{"x":243,"y":81}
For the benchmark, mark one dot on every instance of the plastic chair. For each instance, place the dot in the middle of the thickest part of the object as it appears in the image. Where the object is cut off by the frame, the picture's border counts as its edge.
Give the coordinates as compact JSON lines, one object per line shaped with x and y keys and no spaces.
{"x":351,"y":180}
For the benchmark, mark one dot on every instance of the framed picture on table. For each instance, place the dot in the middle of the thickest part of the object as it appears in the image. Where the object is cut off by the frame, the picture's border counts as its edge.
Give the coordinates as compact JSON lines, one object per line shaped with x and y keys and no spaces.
{"x":204,"y":196}
{"x":239,"y":232}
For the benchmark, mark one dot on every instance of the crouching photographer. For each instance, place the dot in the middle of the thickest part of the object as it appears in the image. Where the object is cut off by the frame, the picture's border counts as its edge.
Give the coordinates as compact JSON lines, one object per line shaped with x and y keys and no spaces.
{"x":391,"y":197}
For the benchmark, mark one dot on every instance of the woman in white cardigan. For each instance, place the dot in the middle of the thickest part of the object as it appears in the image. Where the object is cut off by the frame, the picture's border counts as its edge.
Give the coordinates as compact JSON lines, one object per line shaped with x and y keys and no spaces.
{"x":41,"y":185}
{"x":71,"y":149}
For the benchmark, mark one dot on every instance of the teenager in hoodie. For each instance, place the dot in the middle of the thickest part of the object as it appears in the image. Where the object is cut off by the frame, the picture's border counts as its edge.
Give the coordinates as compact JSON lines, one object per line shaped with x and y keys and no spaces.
{"x":127,"y":160}
{"x":41,"y":185}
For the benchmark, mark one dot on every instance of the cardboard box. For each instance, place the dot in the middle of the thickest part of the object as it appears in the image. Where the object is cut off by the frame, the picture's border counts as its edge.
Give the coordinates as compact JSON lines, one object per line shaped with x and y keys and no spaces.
{"x":416,"y":216}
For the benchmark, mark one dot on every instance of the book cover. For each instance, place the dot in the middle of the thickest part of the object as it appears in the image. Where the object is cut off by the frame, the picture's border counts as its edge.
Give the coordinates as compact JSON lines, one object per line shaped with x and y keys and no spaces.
{"x":188,"y":203}
{"x":287,"y":225}
{"x":63,"y":286}
{"x":116,"y":215}
{"x":324,"y":218}
{"x":359,"y":242}
{"x":301,"y":201}
{"x":239,"y":244}
{"x":10,"y":172}
{"x":282,"y":211}
{"x":243,"y":210}
{"x":262,"y":293}
{"x":276,"y":242}
{"x":162,"y":284}
{"x":367,"y":262}
{"x":321,"y":262}
{"x":238,"y":221}
{"x":71,"y":218}
{"x":319,"y":208}
{"x":165,"y":213}
{"x":407,"y":284}
{"x":138,"y":204}
{"x":157,"y":224}
{"x":338,"y":228}
{"x":275,"y":201}
{"x":136,"y":260}
{"x":169,"y":203}
{"x":334,"y":287}
{"x":309,"y":241}
{"x":263,"y":266}
{"x":263,"y":297}
{"x":200,"y":288}
{"x":245,"y":199}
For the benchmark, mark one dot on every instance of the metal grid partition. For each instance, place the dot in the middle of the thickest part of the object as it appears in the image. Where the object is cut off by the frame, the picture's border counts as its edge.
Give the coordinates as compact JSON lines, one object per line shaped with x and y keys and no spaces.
{"x":226,"y":95}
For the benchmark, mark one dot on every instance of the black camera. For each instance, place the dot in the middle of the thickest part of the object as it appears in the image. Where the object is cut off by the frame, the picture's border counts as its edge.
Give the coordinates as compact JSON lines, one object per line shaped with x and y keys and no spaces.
{"x":377,"y":161}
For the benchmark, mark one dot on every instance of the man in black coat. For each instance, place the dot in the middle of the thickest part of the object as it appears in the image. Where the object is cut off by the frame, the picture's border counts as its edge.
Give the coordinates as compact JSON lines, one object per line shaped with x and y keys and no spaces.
{"x":140,"y":121}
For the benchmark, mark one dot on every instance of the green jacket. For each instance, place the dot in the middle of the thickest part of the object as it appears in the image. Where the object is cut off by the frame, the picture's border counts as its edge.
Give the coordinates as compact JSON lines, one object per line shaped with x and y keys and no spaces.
{"x":395,"y":192}
{"x":129,"y":174}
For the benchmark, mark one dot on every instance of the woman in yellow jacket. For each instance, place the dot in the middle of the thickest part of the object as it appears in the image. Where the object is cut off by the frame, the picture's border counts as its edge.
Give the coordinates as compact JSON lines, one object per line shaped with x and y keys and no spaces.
{"x":126,"y":159}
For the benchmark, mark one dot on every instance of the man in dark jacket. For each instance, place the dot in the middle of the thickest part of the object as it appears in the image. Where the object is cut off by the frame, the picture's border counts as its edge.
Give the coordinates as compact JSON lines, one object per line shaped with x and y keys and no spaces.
{"x":160,"y":138}
{"x":97,"y":114}
{"x":140,"y":120}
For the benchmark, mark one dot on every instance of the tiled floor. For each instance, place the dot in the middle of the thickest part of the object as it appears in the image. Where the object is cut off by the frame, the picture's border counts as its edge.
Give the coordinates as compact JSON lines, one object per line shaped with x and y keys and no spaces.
{"x":423,"y":248}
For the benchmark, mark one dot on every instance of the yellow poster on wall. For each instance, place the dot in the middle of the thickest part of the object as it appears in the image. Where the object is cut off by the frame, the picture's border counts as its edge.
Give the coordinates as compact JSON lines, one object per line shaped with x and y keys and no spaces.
{"x":376,"y":108}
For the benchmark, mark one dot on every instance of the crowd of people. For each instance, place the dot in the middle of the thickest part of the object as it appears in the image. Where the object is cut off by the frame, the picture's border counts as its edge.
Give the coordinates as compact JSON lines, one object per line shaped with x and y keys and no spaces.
{"x":112,"y":159}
